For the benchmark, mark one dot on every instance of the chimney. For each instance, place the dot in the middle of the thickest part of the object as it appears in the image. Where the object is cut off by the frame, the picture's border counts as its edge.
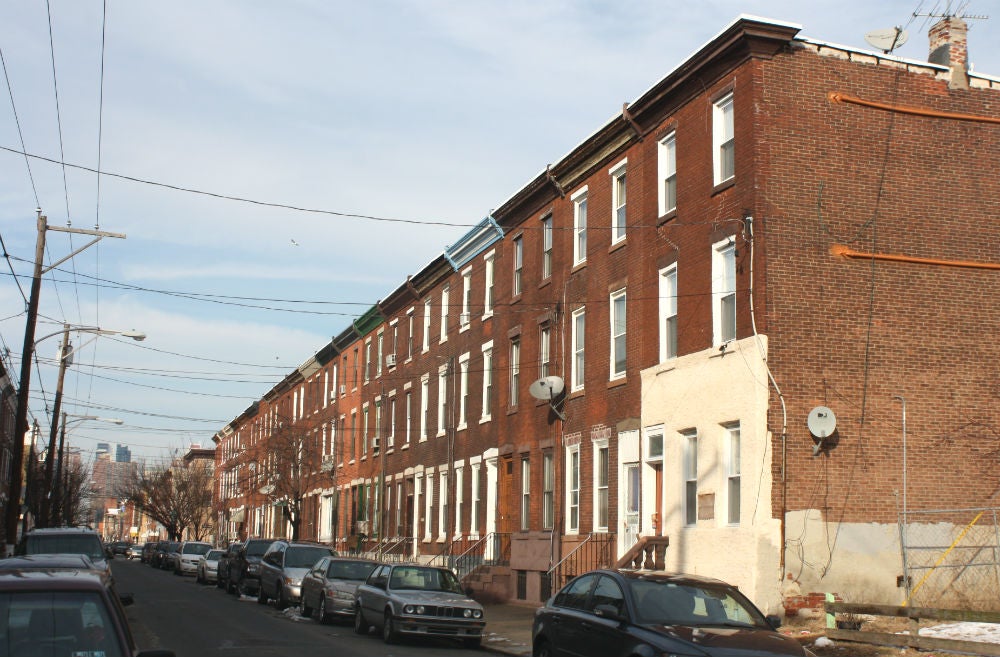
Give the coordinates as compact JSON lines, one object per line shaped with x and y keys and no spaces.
{"x":950,"y":47}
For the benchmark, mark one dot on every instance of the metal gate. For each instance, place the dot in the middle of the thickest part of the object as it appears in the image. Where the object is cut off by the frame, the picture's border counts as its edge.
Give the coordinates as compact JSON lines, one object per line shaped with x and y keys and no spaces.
{"x":951,"y":558}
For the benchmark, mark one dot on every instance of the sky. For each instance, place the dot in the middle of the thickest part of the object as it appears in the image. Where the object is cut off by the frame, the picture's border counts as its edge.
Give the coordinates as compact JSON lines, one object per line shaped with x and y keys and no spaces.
{"x":278,"y":167}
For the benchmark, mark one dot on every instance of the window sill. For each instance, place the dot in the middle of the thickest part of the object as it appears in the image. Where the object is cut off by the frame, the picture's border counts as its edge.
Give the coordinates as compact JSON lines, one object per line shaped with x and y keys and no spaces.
{"x":617,"y":383}
{"x":620,"y":244}
{"x":578,"y":267}
{"x":440,"y":434}
{"x":664,"y":218}
{"x":485,"y":419}
{"x":462,"y":427}
{"x":515,"y":298}
{"x":724,"y":185}
{"x":464,"y":327}
{"x":545,"y":282}
{"x":573,"y":394}
{"x":512,"y":410}
{"x":487,"y":316}
{"x":406,"y":446}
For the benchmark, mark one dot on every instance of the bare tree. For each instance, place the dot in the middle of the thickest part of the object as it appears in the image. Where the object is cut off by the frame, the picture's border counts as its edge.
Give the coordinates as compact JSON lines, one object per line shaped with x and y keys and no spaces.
{"x":176,"y":497}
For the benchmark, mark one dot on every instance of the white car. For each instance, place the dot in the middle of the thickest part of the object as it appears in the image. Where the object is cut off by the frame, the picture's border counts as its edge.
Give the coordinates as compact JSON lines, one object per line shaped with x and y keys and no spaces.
{"x":188,"y":555}
{"x":208,"y":566}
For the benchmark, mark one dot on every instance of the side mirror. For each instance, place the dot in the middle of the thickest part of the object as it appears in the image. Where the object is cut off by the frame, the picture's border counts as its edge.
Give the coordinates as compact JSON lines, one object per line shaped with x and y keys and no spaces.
{"x":773,"y":620}
{"x":608,"y":611}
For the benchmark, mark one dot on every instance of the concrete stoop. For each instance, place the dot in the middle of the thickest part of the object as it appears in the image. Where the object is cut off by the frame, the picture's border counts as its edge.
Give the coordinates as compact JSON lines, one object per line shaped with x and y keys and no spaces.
{"x":489,"y":583}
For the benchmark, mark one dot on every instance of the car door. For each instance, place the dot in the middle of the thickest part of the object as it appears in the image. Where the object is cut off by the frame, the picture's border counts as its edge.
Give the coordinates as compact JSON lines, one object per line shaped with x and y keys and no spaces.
{"x":371,"y":596}
{"x":312,"y":583}
{"x":600,"y":633}
{"x":568,"y":614}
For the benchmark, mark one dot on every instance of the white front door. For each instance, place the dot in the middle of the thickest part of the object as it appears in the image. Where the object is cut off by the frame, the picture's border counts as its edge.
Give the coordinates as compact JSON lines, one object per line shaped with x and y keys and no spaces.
{"x":633,"y":506}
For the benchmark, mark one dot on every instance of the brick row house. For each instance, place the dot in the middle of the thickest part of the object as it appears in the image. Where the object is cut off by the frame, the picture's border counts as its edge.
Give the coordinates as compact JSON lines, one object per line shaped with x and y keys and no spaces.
{"x":778,"y":228}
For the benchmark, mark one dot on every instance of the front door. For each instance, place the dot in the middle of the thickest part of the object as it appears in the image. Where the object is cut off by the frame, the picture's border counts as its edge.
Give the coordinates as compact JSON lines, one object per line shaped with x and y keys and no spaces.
{"x":505,"y":500}
{"x":633,"y":506}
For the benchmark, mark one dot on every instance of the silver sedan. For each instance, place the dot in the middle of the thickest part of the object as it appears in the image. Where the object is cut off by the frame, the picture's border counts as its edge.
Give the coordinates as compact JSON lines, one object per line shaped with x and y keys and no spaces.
{"x":328,"y":588}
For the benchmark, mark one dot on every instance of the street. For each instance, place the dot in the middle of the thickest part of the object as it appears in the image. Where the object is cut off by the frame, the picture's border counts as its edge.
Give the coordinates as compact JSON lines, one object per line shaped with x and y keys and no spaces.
{"x":195,"y":620}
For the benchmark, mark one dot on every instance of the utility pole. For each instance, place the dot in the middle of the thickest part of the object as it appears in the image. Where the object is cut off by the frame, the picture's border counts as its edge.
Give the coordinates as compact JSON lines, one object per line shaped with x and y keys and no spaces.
{"x":21,"y":417}
{"x":45,"y":518}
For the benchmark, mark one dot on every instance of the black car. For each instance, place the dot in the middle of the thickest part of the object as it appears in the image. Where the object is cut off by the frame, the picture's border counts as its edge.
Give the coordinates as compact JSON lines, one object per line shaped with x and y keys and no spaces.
{"x":119,"y":548}
{"x":244,"y":568}
{"x":222,"y":578}
{"x":606,"y":613}
{"x":67,"y":540}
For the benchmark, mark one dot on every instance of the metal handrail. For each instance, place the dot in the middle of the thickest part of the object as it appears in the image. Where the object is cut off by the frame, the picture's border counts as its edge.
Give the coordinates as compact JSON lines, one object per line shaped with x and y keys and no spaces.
{"x":571,"y":553}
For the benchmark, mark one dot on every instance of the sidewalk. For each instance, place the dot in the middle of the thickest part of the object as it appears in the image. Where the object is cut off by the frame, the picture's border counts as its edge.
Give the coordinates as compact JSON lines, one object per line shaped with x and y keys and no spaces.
{"x":508,"y":629}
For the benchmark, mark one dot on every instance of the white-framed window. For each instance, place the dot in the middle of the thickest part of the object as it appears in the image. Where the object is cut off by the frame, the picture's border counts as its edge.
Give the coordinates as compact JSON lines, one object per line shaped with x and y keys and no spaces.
{"x":368,"y":360}
{"x":409,"y":334}
{"x":443,"y":505}
{"x":573,"y":489}
{"x":425,"y":389}
{"x":666,"y":155}
{"x":525,"y":493}
{"x":515,"y":370}
{"x":466,"y":315}
{"x":487,"y":381}
{"x":459,"y":499}
{"x":394,"y":325}
{"x":442,"y":419}
{"x":668,"y":313}
{"x":390,"y":438}
{"x":377,"y":440}
{"x":475,"y":511}
{"x":601,"y":477}
{"x":409,"y":416}
{"x":544,"y":349}
{"x":428,"y":504}
{"x":690,"y":476}
{"x":733,"y":471}
{"x":548,"y":490}
{"x":463,"y":391}
{"x":723,"y":139}
{"x":445,"y":294}
{"x":546,"y":246}
{"x":579,"y":226}
{"x":380,"y":352}
{"x":517,"y":252}
{"x":490,"y":270}
{"x":399,"y":530}
{"x":364,"y":429}
{"x":724,"y":291}
{"x":577,"y":340}
{"x":618,"y":199}
{"x":427,"y":325}
{"x":618,"y":335}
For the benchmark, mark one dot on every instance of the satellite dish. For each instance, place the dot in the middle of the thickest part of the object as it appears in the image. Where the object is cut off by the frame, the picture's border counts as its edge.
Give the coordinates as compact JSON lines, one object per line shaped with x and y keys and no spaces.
{"x":546,"y":388}
{"x":887,"y":40}
{"x":821,"y":422}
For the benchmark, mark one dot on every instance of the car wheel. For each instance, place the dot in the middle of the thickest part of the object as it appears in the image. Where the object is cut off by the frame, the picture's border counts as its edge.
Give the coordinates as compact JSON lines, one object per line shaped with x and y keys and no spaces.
{"x":199,"y":578}
{"x":473,"y":644}
{"x":389,"y":634}
{"x":321,"y":612}
{"x":360,"y":624}
{"x":542,"y":649}
{"x":261,"y":596}
{"x":307,"y":611}
{"x":279,"y":598}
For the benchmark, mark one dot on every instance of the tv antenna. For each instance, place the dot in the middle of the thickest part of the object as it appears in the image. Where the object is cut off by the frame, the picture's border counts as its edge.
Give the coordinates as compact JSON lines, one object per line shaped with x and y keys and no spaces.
{"x":959,"y":12}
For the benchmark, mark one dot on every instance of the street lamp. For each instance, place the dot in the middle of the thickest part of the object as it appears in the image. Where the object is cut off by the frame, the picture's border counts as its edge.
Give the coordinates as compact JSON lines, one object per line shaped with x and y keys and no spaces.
{"x":59,"y":490}
{"x":66,"y":352}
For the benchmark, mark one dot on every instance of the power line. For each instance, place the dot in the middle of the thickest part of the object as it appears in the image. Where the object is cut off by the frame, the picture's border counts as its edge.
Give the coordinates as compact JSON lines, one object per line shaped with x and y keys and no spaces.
{"x":17,"y":121}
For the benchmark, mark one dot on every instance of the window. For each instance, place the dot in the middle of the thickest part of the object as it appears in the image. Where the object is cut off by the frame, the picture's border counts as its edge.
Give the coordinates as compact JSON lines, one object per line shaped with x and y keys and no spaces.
{"x":356,"y":357}
{"x":580,"y":226}
{"x":579,"y":321}
{"x":724,"y":139}
{"x":368,"y":360}
{"x":425,"y":388}
{"x":546,"y":246}
{"x":428,"y":504}
{"x":379,"y":353}
{"x":443,"y":505}
{"x":573,"y":489}
{"x":601,"y":465}
{"x":475,"y":499}
{"x":548,"y":490}
{"x":667,"y":165}
{"x":442,"y":400}
{"x":525,"y":493}
{"x":733,"y":472}
{"x":575,"y":595}
{"x":390,"y":439}
{"x":518,"y":254}
{"x":690,"y":475}
{"x":668,"y":313}
{"x":466,"y":315}
{"x":463,"y":391}
{"x":459,"y":500}
{"x":724,"y":291}
{"x":445,"y":293}
{"x":618,"y":203}
{"x":364,"y":430}
{"x":395,"y":338}
{"x":515,"y":369}
{"x":488,"y":302}
{"x":409,"y":416}
{"x":409,"y":335}
{"x":427,"y":325}
{"x":487,"y":381}
{"x":376,"y":441}
{"x":618,"y":341}
{"x":544,"y":340}
{"x":607,"y":592}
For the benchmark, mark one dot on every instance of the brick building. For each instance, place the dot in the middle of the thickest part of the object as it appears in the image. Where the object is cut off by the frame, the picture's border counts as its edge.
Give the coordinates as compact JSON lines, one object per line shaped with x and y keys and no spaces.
{"x":779,"y":228}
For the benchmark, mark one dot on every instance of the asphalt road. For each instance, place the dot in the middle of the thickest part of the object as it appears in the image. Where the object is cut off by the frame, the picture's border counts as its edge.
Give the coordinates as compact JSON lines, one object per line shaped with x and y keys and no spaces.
{"x":195,"y":620}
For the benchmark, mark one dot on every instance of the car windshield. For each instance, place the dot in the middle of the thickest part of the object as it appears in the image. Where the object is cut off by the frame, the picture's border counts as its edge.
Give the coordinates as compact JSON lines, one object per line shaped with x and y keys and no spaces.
{"x":305,"y":556}
{"x":213,"y":555}
{"x":88,"y":544}
{"x":424,"y":579}
{"x":196,"y":548}
{"x":58,"y":623}
{"x":173,"y":547}
{"x":358,"y":570}
{"x":257,"y":549}
{"x":668,"y":603}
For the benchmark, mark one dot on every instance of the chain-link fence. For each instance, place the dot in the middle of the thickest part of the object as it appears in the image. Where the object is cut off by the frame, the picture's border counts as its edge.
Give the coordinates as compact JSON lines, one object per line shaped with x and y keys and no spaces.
{"x":952,"y":558}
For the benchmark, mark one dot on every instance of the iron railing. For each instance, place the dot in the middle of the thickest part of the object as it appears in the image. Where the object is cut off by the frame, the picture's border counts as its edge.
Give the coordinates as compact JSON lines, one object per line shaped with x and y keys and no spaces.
{"x":595,"y":551}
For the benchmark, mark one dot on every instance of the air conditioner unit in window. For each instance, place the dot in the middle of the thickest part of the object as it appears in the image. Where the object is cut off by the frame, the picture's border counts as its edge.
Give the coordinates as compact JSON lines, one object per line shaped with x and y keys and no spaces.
{"x":390,"y":360}
{"x":375,"y":443}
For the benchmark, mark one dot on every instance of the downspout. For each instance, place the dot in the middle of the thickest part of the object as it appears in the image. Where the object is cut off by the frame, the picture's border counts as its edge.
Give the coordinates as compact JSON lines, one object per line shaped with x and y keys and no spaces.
{"x":748,"y":220}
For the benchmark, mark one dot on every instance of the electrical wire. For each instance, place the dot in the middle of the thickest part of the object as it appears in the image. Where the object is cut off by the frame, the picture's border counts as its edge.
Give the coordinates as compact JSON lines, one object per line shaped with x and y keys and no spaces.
{"x":17,"y":121}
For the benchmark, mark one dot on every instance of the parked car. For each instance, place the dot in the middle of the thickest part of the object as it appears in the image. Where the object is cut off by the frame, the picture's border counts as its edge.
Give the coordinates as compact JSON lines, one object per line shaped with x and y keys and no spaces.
{"x":67,"y":540}
{"x":134,"y":552}
{"x":410,"y":599}
{"x":208,"y":566}
{"x":618,"y":612}
{"x":244,"y":569}
{"x":51,"y":562}
{"x":159,"y":552}
{"x":187,"y":557}
{"x":147,"y":550}
{"x":72,"y":612}
{"x":118,"y":548}
{"x":282,"y":568}
{"x":170,"y":555}
{"x":329,"y":587}
{"x":222,"y":579}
